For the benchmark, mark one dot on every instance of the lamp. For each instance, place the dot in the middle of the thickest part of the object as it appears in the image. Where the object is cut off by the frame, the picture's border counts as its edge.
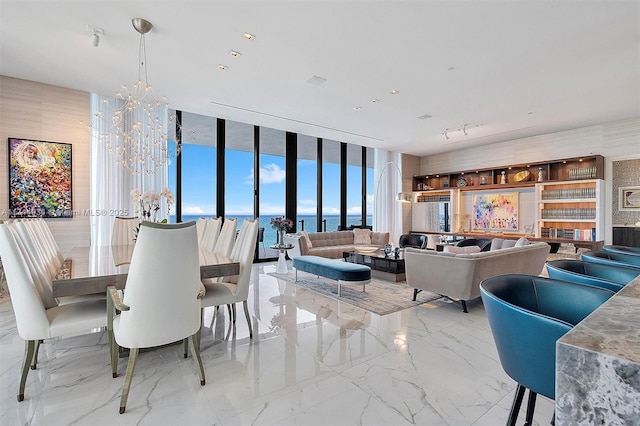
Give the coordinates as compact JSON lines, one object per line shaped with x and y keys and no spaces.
{"x":136,"y":135}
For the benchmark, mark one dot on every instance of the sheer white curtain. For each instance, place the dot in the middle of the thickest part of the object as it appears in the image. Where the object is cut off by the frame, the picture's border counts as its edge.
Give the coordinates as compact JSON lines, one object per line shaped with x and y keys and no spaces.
{"x":111,"y":184}
{"x":387,"y":211}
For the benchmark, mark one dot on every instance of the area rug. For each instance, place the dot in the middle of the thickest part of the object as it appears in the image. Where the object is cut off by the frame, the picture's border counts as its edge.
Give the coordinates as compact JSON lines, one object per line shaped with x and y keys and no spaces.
{"x":380,"y":297}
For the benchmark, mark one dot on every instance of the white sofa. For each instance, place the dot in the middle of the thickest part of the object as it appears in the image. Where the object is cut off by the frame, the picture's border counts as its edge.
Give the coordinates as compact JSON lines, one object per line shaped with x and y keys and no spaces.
{"x":458,"y":276}
{"x":331,"y":244}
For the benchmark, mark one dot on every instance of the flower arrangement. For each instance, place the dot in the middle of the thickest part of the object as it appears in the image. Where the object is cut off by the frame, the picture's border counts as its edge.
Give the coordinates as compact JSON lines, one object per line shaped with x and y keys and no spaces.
{"x":281,"y":223}
{"x":147,"y":204}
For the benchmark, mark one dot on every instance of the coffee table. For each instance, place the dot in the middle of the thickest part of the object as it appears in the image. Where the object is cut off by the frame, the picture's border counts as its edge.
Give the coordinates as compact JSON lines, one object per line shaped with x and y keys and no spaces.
{"x":385,"y":267}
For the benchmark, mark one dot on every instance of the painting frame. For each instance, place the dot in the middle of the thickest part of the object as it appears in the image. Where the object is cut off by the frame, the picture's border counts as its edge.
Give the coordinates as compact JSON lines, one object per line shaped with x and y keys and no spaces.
{"x":40,"y":179}
{"x":495,"y":212}
{"x":629,"y":198}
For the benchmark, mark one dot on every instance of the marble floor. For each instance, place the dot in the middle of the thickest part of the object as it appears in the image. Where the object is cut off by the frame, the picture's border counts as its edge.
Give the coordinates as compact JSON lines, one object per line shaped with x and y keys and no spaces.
{"x":312,"y":361}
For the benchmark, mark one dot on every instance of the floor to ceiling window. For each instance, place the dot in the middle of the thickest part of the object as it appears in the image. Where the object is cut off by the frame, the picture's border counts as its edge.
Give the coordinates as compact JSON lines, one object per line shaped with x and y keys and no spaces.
{"x":198,"y":167}
{"x":272,"y":180}
{"x":330,"y":185}
{"x":307,"y":196}
{"x":239,"y":173}
{"x":355,"y":196}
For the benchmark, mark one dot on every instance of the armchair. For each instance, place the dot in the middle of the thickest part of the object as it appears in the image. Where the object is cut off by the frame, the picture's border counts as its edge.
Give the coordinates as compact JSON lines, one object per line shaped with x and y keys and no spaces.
{"x":161,"y":303}
{"x":413,"y":240}
{"x":607,"y":276}
{"x":610,"y":258}
{"x":622,"y":249}
{"x":527,"y":315}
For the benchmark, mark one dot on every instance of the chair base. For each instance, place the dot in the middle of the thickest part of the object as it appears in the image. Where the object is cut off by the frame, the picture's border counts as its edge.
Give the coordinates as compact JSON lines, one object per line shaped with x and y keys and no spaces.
{"x":517,"y":402}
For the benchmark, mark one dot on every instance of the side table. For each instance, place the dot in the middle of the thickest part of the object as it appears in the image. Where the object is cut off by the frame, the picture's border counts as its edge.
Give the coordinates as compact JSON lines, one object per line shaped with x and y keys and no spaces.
{"x":281,"y":268}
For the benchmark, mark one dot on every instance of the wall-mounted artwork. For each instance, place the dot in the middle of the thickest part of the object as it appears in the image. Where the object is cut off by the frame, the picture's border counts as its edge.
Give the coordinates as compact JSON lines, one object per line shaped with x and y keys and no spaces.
{"x":495,"y":212}
{"x":629,"y":198}
{"x":39,"y":179}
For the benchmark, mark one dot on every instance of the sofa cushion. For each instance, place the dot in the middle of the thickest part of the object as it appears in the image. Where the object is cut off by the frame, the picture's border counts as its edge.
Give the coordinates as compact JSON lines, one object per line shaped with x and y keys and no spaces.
{"x":521,"y":242}
{"x":496,"y":244}
{"x":508,"y":243}
{"x":361,"y":236}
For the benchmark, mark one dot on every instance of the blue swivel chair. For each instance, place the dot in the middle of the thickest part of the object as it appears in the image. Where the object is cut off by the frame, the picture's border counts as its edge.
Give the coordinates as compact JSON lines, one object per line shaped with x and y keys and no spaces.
{"x":598,"y":274}
{"x":527,"y":315}
{"x":622,"y":249}
{"x":608,"y":258}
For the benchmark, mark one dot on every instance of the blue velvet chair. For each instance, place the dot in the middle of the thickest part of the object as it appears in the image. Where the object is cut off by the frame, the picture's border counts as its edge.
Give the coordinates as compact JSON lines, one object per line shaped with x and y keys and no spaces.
{"x":609,"y":258}
{"x":622,"y":249}
{"x":527,"y":315}
{"x":577,"y":271}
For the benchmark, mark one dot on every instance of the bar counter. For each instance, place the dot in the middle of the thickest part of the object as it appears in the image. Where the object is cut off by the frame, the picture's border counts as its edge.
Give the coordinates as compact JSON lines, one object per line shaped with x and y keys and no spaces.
{"x":598,"y":365}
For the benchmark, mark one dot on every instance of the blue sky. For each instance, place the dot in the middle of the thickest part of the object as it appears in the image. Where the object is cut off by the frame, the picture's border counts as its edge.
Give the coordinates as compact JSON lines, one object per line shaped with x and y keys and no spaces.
{"x":199,"y":182}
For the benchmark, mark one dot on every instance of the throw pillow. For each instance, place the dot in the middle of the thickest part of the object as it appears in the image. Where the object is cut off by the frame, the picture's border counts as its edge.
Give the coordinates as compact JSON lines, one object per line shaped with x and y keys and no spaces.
{"x":521,"y":242}
{"x":361,"y":236}
{"x":461,"y":250}
{"x":305,"y":235}
{"x":496,"y":244}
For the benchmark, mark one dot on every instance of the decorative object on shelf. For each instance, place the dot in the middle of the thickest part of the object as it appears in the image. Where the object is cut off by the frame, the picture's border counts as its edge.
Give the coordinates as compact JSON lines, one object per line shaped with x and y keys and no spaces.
{"x":39,"y":179}
{"x":281,"y":225}
{"x":503,"y":178}
{"x":483,"y":180}
{"x":147,"y":204}
{"x":387,"y":249}
{"x":461,"y":182}
{"x":522,"y":176}
{"x":540,"y":177}
{"x":629,"y":198}
{"x":134,"y":125}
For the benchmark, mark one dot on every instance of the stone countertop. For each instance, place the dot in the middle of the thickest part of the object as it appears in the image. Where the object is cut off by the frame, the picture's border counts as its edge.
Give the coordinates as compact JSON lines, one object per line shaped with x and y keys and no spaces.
{"x":598,"y":365}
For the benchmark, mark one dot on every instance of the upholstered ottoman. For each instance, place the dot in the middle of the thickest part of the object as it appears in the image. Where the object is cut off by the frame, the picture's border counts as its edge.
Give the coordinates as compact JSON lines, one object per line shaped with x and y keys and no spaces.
{"x":343,"y":272}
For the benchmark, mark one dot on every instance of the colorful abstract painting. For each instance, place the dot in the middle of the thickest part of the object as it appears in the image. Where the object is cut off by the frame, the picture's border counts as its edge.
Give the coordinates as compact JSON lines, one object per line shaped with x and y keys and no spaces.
{"x":495,"y":211}
{"x":39,"y":179}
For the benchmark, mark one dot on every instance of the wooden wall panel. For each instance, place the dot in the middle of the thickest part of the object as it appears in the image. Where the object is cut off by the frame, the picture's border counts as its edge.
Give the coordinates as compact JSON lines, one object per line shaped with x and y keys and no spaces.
{"x":38,"y":111}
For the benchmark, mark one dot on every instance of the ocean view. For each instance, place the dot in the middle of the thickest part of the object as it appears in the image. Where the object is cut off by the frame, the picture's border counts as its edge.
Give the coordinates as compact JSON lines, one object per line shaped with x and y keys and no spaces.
{"x":270,"y":234}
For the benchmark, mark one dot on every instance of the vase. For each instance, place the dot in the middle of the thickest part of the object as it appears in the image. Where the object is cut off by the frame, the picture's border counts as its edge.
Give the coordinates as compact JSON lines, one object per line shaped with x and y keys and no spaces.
{"x":280,"y":241}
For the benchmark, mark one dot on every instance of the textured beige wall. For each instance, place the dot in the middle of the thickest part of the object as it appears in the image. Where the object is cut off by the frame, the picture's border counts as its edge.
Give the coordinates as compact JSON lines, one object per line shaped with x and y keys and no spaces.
{"x":30,"y":110}
{"x":625,"y":173}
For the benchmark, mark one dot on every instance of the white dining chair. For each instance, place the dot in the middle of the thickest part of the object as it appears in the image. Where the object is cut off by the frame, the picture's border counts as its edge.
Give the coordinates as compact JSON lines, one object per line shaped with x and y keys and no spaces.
{"x":227,"y":237}
{"x":235,"y":289}
{"x":161,"y":303}
{"x":124,"y":231}
{"x":201,"y":226}
{"x":211,"y":233}
{"x":37,"y":319}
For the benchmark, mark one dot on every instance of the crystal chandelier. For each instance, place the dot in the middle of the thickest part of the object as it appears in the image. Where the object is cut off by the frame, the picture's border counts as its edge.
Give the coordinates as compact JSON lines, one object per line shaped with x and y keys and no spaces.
{"x":135,"y":124}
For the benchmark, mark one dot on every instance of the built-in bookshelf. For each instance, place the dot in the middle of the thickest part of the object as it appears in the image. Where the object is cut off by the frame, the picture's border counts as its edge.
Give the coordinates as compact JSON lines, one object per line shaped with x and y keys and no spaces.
{"x":570,"y":210}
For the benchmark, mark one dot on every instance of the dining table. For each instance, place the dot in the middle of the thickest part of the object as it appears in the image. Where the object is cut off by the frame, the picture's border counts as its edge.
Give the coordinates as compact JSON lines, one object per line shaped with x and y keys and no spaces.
{"x":91,"y":269}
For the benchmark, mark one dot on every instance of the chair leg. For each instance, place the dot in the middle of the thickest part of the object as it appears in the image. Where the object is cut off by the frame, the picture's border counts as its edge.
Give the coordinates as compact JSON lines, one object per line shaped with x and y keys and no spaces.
{"x":195,"y":352}
{"x":515,"y":407}
{"x":29,"y":350}
{"x":113,"y":346}
{"x":464,"y":306}
{"x":246,"y":314}
{"x":185,"y":347}
{"x":415,"y":293}
{"x":230,"y":314}
{"x":531,"y":406}
{"x":34,"y":361}
{"x":131,"y":365}
{"x":233,"y":309}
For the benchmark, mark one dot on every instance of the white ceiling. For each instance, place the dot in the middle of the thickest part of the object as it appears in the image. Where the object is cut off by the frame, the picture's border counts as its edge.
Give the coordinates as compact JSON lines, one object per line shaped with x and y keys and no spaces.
{"x":520,"y":68}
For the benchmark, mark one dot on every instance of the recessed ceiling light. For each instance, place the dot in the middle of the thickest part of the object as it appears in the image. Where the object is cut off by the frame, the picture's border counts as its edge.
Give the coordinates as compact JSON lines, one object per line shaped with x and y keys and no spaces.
{"x":357,"y":108}
{"x":316,"y":80}
{"x":234,"y":53}
{"x":530,"y":112}
{"x":249,"y":37}
{"x":374,"y":100}
{"x":424,"y":117}
{"x":222,"y":67}
{"x":450,"y":69}
{"x":394,"y":92}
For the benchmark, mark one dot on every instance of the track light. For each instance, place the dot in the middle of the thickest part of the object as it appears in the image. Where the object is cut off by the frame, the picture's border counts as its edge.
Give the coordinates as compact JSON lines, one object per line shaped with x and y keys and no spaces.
{"x":95,"y":40}
{"x":95,"y":36}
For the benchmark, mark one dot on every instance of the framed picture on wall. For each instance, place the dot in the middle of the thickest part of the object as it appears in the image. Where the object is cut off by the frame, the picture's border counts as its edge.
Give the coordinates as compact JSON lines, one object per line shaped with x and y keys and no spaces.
{"x":495,"y":212}
{"x":39,"y":179}
{"x":629,"y":198}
